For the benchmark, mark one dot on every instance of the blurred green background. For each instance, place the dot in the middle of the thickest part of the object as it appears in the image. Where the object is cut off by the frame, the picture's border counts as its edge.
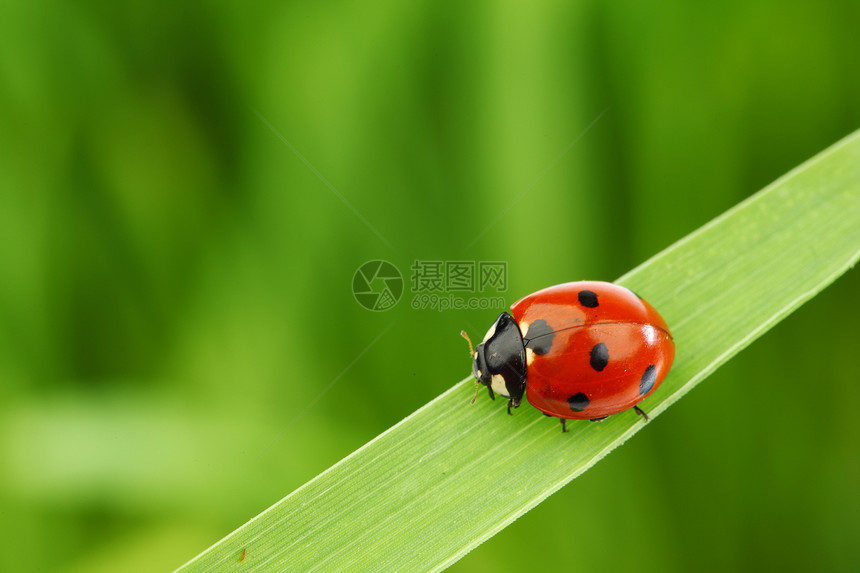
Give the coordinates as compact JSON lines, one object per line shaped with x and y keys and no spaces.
{"x":175,"y":281}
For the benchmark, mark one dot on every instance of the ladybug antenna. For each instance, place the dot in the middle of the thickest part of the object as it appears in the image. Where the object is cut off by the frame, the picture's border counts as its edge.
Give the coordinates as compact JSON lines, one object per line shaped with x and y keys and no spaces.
{"x":466,"y":336}
{"x":472,"y":353}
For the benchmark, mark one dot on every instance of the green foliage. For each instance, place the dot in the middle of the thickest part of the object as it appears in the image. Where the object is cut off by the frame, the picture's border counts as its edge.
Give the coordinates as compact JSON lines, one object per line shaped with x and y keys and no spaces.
{"x":179,"y":346}
{"x":424,"y":493}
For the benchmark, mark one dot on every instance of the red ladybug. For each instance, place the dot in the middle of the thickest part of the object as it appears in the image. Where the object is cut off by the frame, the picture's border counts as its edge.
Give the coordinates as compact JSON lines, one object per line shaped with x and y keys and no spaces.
{"x":582,"y":350}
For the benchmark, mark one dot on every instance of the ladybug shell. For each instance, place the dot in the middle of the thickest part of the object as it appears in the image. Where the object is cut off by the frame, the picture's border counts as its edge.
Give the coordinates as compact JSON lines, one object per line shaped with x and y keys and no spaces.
{"x":592,"y":349}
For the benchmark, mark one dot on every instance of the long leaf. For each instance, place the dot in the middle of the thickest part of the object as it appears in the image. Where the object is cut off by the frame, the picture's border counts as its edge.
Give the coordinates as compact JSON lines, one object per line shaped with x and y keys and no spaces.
{"x":448,"y":477}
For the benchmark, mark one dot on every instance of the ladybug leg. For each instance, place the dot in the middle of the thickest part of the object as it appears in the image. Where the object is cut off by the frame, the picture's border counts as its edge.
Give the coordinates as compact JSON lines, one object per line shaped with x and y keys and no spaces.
{"x":563,"y":424}
{"x":641,"y":413}
{"x":598,"y":419}
{"x":510,"y":403}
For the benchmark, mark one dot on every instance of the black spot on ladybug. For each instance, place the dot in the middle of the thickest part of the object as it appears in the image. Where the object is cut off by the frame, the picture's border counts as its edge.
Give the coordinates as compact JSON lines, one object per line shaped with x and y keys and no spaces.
{"x":588,"y":298}
{"x":648,"y":380}
{"x":578,"y":402}
{"x":539,"y":337}
{"x":599,"y":356}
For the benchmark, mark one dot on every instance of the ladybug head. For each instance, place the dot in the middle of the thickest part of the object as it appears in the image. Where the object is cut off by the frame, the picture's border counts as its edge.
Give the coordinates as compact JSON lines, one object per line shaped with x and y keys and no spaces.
{"x":500,"y":361}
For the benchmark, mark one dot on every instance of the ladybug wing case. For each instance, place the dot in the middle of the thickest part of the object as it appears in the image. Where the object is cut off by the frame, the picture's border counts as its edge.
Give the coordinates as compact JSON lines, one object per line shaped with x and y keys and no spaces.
{"x":592,"y":349}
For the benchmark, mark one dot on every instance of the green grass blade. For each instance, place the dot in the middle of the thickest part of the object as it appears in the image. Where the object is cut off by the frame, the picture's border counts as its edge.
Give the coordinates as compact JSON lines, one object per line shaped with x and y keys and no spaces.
{"x":431,"y":488}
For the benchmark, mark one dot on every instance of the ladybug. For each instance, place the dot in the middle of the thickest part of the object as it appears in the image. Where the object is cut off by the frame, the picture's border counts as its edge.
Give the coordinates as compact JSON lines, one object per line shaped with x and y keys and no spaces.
{"x":581,"y":350}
